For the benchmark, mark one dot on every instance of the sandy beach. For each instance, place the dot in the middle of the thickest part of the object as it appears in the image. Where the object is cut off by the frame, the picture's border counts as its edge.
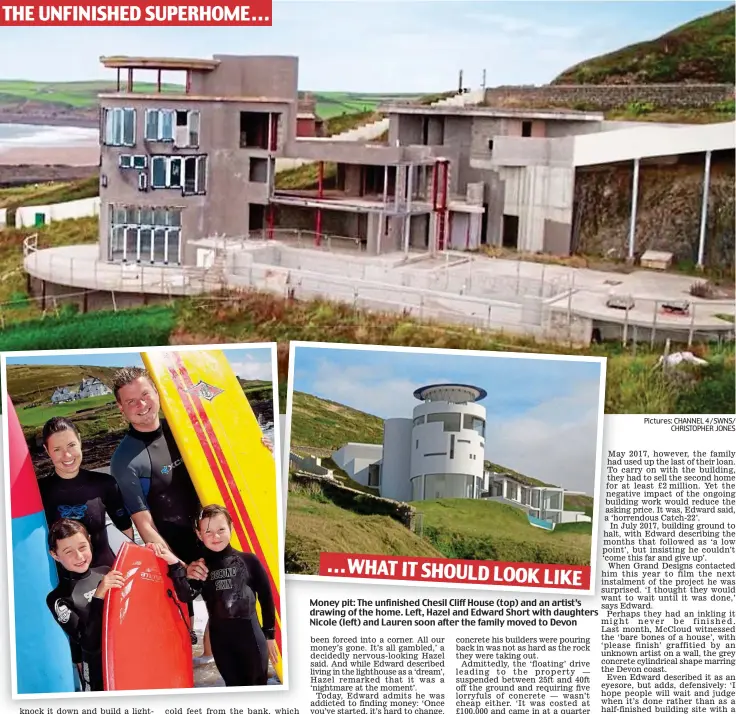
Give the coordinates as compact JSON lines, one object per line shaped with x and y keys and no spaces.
{"x":75,"y":155}
{"x":29,"y":145}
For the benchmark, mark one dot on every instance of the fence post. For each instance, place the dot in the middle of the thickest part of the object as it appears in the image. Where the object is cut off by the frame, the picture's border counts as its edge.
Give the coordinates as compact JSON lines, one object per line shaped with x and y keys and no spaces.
{"x":654,"y":325}
{"x":489,"y":316}
{"x":114,"y":303}
{"x":691,"y":331}
{"x":626,"y":322}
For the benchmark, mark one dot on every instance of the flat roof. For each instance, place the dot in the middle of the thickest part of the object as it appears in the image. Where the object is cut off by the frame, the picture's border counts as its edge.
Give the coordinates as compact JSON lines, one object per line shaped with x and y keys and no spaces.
{"x":175,"y":97}
{"x":452,"y":392}
{"x":168,"y":63}
{"x":493,"y":112}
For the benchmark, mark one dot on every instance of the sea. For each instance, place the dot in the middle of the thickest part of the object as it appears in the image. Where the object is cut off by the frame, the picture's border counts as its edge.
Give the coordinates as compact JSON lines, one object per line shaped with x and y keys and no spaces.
{"x":14,"y":136}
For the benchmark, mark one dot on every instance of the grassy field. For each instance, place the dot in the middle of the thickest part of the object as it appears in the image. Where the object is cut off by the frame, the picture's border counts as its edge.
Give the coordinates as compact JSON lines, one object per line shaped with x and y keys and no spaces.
{"x":699,"y":51}
{"x":45,"y":193}
{"x":72,"y":94}
{"x":633,"y":384}
{"x":14,"y":303}
{"x":453,"y":528}
{"x":315,"y":525}
{"x":484,"y":530}
{"x":83,"y":95}
{"x":37,"y":416}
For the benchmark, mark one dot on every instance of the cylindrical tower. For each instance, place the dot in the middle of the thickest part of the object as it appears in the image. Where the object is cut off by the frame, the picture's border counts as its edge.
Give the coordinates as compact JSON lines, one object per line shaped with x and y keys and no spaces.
{"x":396,"y":465}
{"x":448,"y":442}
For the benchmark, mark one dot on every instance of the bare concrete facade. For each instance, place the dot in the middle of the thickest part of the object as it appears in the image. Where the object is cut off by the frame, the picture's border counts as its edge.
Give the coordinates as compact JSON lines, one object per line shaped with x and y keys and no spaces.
{"x":158,"y":193}
{"x":527,"y":180}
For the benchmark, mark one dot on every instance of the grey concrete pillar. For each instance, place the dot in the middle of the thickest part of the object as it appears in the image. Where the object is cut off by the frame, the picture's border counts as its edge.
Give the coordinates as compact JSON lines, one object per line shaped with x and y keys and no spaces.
{"x":704,"y":211}
{"x":407,"y":215}
{"x":634,"y":202}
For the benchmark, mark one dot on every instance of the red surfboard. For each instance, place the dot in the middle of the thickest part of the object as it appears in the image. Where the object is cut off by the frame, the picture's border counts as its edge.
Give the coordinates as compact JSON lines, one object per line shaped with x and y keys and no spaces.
{"x":145,"y":617}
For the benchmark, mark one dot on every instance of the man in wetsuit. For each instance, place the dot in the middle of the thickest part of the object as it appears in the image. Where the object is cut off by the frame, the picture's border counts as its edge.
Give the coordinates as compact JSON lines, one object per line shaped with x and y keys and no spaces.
{"x":150,"y":473}
{"x":149,"y":470}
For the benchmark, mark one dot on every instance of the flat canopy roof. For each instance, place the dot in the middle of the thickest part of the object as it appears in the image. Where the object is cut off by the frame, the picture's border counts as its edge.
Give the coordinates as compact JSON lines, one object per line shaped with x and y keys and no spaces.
{"x":169,"y":63}
{"x":478,"y":110}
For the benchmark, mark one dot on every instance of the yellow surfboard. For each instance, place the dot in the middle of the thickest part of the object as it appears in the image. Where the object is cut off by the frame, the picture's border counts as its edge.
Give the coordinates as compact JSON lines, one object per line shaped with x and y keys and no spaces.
{"x":221,"y":443}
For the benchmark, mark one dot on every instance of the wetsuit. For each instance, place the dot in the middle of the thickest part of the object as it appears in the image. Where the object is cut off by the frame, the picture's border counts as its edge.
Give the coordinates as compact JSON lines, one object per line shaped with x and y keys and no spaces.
{"x":86,"y":498}
{"x":151,"y":475}
{"x":73,"y":605}
{"x":234,"y":582}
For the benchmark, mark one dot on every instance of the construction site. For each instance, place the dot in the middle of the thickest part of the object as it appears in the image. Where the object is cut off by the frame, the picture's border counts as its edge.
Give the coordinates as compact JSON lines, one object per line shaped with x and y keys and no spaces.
{"x":188,"y":204}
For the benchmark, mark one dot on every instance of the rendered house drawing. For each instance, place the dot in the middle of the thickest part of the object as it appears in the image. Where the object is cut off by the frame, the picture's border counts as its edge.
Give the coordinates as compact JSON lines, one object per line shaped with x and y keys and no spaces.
{"x":439,"y":453}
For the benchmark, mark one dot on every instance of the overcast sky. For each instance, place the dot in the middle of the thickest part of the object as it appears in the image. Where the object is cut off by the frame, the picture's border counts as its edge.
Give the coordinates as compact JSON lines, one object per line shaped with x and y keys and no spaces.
{"x":542,"y":414}
{"x":376,"y":46}
{"x":247,"y":363}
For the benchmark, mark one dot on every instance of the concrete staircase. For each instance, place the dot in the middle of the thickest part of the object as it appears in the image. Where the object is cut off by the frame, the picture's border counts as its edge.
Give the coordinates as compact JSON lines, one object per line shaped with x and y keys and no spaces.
{"x":371,"y":131}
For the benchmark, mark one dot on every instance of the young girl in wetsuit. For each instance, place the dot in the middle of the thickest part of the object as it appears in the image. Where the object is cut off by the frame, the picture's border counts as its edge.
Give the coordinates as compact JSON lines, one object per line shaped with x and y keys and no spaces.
{"x":230,"y":581}
{"x":76,"y":603}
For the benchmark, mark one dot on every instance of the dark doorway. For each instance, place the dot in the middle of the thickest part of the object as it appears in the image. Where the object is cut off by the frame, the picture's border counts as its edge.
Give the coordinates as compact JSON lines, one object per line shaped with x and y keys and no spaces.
{"x":510,"y":236}
{"x":256,"y":217}
{"x":484,"y":225}
{"x":526,"y":128}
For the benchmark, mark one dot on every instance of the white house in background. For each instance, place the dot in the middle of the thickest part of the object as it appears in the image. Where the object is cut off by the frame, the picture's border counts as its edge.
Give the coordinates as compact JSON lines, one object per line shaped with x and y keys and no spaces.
{"x":360,"y":462}
{"x":89,"y":387}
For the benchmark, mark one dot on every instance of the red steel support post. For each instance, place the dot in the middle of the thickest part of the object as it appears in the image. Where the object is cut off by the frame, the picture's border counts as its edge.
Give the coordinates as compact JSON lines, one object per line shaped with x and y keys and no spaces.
{"x":270,"y":221}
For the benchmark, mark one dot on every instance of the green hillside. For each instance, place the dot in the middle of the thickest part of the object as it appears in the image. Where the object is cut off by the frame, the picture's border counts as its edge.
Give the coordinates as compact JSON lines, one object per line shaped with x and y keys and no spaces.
{"x":450,"y":528}
{"x":315,"y":525}
{"x":329,"y":425}
{"x":699,"y":51}
{"x":29,"y":383}
{"x":83,"y":95}
{"x":71,"y":94}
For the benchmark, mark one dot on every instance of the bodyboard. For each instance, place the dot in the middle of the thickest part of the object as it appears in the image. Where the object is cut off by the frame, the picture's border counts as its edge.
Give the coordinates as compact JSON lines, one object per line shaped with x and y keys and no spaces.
{"x":220,"y":442}
{"x":145,"y":641}
{"x":43,"y":661}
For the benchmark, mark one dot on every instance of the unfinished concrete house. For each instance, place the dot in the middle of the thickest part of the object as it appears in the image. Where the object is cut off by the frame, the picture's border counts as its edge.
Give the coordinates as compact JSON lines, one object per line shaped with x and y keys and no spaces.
{"x":176,"y":167}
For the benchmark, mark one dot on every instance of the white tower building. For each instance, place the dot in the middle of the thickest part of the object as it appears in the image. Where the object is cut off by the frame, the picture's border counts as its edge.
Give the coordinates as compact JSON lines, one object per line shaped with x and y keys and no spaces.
{"x":443,"y":458}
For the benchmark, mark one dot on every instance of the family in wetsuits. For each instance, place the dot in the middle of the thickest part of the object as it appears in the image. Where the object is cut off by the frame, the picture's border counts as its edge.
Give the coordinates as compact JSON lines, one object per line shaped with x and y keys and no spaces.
{"x":149,"y":484}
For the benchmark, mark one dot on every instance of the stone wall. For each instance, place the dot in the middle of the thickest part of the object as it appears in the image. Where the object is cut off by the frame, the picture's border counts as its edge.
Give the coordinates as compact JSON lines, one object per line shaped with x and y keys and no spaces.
{"x":668,"y":211}
{"x":602,"y":97}
{"x":352,"y":500}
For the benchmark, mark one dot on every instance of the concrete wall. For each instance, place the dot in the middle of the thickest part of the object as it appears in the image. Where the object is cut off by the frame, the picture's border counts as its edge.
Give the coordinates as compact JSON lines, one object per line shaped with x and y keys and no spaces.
{"x":26,"y":215}
{"x":537,"y":194}
{"x":273,"y":77}
{"x":611,"y":96}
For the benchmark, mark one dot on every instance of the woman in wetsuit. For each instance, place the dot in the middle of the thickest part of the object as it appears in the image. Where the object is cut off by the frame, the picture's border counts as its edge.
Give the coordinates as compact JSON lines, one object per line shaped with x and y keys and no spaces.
{"x":78,"y":494}
{"x":77,"y":601}
{"x":230,"y":582}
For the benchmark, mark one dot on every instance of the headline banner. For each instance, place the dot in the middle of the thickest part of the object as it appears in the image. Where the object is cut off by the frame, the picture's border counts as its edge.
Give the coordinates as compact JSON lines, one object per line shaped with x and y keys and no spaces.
{"x":448,"y":570}
{"x":135,"y":14}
